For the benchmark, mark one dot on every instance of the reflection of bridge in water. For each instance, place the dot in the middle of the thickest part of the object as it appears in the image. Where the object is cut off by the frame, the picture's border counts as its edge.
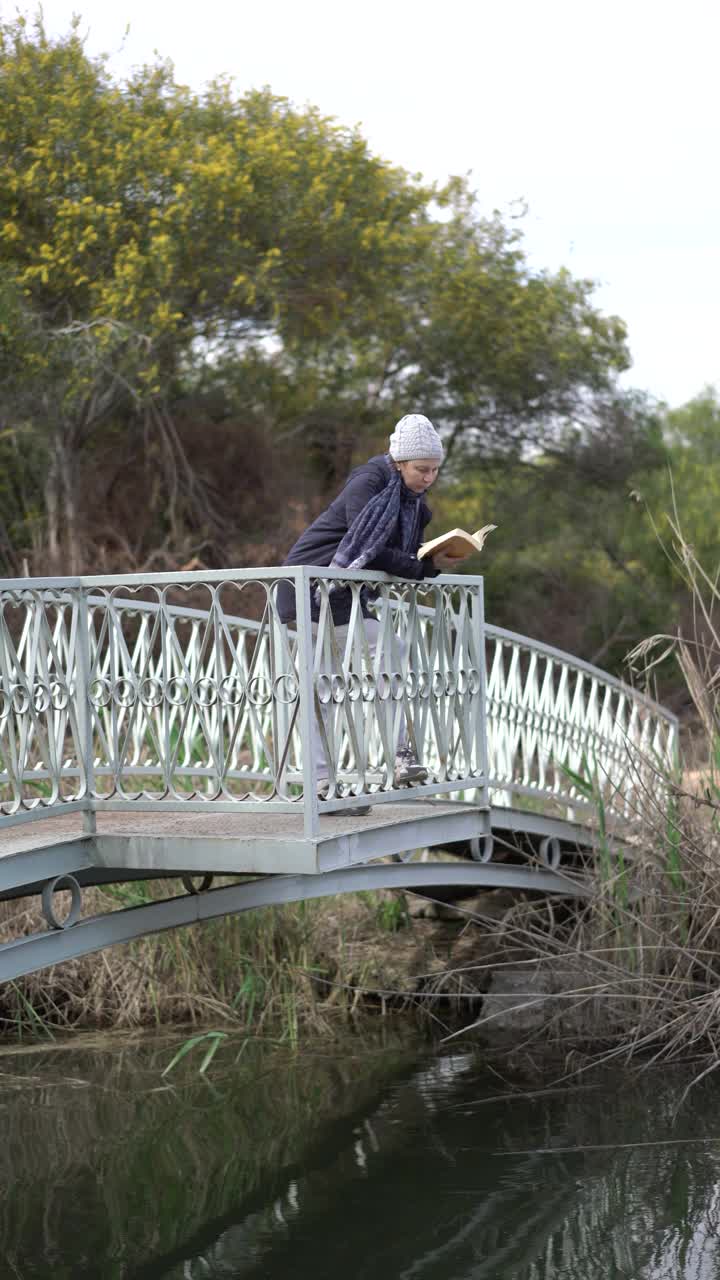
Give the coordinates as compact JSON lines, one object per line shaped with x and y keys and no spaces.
{"x":362,"y":1162}
{"x":159,"y":725}
{"x":419,"y":1187}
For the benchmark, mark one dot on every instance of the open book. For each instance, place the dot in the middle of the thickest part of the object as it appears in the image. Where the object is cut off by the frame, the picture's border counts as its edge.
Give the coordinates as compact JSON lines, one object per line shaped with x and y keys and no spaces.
{"x":456,"y":543}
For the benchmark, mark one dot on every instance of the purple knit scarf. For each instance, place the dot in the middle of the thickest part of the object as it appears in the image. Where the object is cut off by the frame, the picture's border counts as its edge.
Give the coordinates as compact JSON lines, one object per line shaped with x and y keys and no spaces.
{"x":373,"y":528}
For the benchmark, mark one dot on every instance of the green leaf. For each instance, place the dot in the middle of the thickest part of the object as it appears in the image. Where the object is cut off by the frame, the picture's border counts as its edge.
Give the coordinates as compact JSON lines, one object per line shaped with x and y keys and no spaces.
{"x":218,"y":1037}
{"x":214,"y":1036}
{"x":581,"y":784}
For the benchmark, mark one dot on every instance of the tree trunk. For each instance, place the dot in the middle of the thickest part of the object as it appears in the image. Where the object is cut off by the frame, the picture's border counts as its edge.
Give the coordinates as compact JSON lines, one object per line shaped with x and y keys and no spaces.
{"x":70,"y":512}
{"x":63,"y":543}
{"x":52,"y":511}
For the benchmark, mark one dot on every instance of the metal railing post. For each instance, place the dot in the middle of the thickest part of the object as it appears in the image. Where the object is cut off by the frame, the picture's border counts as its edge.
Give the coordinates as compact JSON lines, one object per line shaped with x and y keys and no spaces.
{"x":306,"y":683}
{"x":83,"y":708}
{"x":281,"y":712}
{"x":482,"y":719}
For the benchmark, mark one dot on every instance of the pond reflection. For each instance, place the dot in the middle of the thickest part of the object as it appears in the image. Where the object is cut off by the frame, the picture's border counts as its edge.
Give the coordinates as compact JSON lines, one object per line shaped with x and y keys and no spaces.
{"x":384,"y":1162}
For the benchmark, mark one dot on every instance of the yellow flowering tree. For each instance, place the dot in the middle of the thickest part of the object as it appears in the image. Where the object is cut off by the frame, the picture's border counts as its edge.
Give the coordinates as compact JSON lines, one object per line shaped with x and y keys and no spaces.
{"x":143,"y":224}
{"x":156,"y":243}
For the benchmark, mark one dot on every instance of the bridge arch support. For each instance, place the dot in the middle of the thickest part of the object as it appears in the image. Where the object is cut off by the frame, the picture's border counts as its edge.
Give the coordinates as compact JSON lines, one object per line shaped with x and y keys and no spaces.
{"x":38,"y":951}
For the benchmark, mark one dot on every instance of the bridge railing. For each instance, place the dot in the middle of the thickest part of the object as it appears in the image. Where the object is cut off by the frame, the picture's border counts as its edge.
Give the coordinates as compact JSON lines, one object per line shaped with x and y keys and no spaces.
{"x":148,"y":690}
{"x":551,"y":715}
{"x":132,"y":692}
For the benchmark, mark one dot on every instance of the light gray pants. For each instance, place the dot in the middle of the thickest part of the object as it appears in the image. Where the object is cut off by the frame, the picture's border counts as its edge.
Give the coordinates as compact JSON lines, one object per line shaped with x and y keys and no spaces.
{"x":372,"y":631}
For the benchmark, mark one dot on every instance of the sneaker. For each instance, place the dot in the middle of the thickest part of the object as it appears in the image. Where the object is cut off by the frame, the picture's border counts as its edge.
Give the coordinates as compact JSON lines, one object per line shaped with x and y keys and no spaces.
{"x":408,"y":768}
{"x":356,"y":811}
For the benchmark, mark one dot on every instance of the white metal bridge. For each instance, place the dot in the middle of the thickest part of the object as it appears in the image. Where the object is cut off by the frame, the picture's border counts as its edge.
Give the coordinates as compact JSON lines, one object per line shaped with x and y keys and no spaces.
{"x":161,"y":725}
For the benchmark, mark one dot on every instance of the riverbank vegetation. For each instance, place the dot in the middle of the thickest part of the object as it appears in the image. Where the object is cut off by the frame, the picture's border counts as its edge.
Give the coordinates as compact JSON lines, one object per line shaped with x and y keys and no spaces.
{"x":634,"y":973}
{"x":281,"y":972}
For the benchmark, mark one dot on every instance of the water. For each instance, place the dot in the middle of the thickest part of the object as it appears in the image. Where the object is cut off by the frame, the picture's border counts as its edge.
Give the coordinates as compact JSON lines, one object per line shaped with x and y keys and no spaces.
{"x":381,"y":1163}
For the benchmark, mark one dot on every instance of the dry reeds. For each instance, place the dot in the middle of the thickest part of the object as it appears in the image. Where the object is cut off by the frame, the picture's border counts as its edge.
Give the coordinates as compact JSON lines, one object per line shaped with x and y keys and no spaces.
{"x":635,"y":973}
{"x":281,"y":971}
{"x":242,"y":971}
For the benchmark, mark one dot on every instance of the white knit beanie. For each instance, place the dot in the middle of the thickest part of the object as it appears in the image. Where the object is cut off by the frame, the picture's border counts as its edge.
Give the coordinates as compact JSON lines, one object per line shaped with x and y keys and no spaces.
{"x":415,"y":437}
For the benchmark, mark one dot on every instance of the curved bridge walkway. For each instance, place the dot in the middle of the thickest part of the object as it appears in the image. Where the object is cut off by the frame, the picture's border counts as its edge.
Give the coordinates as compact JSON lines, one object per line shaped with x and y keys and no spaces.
{"x":171,"y":725}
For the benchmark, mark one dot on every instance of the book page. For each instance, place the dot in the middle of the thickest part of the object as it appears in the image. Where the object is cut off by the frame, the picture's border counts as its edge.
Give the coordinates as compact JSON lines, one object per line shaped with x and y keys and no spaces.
{"x":456,"y":543}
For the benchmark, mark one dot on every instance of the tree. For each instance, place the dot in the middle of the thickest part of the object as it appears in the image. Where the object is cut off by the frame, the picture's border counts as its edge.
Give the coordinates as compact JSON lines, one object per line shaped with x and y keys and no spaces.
{"x":146,"y":226}
{"x":505,"y":355}
{"x":692,"y":483}
{"x":575,"y":560}
{"x":498,"y":356}
{"x":164,"y":247}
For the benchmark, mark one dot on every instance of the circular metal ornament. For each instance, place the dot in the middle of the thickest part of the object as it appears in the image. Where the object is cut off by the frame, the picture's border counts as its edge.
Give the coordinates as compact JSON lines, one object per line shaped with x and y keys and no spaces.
{"x":481,"y":847}
{"x":337,"y":684}
{"x":383,"y":686}
{"x":550,"y":852}
{"x":178,"y":692}
{"x":205,"y":692}
{"x":40,"y":697}
{"x":412,"y":685}
{"x":100,"y":692}
{"x":259,"y":691}
{"x":424,"y":684}
{"x":124,"y":692}
{"x":59,"y":695}
{"x":231,"y":691}
{"x":353,"y":686}
{"x":20,"y":699}
{"x":323,"y":689}
{"x":397,"y":686}
{"x":285,"y":689}
{"x":150,"y":692}
{"x":369,"y":690}
{"x":190,"y":886}
{"x":51,"y":887}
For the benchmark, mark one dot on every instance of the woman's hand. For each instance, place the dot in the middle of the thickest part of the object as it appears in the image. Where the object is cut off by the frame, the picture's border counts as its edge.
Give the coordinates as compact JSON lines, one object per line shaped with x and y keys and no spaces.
{"x":447,"y":564}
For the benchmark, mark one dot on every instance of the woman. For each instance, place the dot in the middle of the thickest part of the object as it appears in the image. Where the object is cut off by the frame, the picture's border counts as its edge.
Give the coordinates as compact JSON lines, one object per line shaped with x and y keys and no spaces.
{"x":377,"y":521}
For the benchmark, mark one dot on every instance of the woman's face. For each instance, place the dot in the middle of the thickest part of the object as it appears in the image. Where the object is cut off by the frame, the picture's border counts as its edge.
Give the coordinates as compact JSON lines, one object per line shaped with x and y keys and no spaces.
{"x":419,"y":473}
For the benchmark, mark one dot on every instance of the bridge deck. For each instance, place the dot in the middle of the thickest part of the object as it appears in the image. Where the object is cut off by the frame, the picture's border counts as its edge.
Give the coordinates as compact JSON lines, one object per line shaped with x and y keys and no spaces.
{"x":228,"y":843}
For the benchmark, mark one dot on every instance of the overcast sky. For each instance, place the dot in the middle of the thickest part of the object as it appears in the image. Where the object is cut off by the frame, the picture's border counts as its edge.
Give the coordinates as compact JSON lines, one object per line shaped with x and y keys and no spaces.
{"x":603,"y":117}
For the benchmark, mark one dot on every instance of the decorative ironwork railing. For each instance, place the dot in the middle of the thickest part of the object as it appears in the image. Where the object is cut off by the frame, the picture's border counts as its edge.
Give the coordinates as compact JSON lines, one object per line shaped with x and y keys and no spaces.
{"x":157,"y":689}
{"x":115,"y":694}
{"x":551,"y":715}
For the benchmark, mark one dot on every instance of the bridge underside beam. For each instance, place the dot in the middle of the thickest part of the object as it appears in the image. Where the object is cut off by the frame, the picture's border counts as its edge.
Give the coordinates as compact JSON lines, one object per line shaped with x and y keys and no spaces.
{"x":19,"y":872}
{"x":27,"y":955}
{"x":526,"y":823}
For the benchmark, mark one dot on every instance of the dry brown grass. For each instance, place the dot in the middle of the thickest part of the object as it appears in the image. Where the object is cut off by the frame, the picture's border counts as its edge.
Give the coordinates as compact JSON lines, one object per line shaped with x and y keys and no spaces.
{"x":280,"y":970}
{"x":635,"y":973}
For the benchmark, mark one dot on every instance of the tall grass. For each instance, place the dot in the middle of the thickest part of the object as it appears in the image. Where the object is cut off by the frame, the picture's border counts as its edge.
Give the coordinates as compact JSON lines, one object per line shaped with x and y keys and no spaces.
{"x":280,"y":971}
{"x":635,"y":973}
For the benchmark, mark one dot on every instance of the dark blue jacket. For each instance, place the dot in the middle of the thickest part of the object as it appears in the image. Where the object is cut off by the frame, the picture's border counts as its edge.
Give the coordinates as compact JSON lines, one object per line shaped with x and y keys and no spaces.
{"x":318,"y":544}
